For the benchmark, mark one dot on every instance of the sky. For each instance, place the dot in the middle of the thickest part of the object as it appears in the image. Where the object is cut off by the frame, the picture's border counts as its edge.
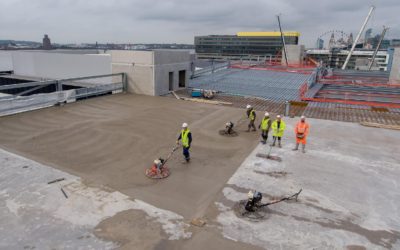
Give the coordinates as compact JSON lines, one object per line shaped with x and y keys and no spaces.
{"x":178,"y":21}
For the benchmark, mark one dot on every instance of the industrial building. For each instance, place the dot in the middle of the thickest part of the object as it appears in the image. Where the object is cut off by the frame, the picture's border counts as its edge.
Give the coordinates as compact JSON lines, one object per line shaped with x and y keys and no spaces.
{"x":359,"y":60}
{"x":243,"y":44}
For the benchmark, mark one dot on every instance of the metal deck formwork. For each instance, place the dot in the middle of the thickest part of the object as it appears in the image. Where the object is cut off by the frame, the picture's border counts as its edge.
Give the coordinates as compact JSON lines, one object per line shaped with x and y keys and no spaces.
{"x":319,"y":110}
{"x":270,"y":85}
{"x":360,"y":93}
{"x":371,"y":88}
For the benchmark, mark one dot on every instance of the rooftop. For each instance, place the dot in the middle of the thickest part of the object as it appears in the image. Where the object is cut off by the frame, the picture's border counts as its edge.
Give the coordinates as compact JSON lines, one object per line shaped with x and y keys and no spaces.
{"x":103,"y":145}
{"x":268,"y":33}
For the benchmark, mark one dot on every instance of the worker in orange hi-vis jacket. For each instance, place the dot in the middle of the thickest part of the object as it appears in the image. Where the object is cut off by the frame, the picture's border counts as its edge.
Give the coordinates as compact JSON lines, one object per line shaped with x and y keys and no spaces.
{"x":301,"y":130}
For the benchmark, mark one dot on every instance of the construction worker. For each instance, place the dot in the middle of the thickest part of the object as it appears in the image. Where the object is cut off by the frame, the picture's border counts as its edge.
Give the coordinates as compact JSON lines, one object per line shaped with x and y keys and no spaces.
{"x":278,"y":127}
{"x":251,"y":114}
{"x":265,"y":125}
{"x":301,"y":130}
{"x":253,"y":201}
{"x":186,"y":137}
{"x":229,"y":128}
{"x":157,"y":166}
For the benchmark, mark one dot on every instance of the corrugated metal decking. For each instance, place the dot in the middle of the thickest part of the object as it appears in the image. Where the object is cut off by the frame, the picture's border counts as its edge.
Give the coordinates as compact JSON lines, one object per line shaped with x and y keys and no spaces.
{"x":271,"y":85}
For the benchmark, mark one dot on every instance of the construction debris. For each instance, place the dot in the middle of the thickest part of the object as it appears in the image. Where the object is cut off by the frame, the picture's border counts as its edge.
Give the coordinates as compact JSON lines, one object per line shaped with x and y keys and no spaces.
{"x":206,"y":101}
{"x":269,"y":156}
{"x":176,"y":96}
{"x":65,"y":194}
{"x":198,"y":222}
{"x":56,"y":180}
{"x":379,"y":125}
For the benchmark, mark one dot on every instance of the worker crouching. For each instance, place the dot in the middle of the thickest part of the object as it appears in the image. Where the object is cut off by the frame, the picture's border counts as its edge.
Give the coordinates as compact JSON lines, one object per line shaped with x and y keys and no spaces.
{"x":186,"y":137}
{"x":301,"y":131}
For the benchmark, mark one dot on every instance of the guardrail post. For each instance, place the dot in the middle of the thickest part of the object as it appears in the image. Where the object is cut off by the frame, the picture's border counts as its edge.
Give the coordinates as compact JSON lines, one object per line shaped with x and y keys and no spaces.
{"x":287,"y":108}
{"x":58,"y":86}
{"x":125,"y":82}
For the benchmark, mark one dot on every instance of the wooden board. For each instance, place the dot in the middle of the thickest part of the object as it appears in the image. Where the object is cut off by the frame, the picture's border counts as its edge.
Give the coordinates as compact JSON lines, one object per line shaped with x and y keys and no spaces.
{"x":379,"y":125}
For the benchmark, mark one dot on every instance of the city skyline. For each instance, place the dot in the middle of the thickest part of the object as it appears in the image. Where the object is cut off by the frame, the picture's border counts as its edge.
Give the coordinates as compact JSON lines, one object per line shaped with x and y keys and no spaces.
{"x":178,"y":21}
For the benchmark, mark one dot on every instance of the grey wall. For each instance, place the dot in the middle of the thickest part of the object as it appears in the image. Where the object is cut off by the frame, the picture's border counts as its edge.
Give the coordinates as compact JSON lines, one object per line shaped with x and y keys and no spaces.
{"x":139,"y":67}
{"x":58,"y":66}
{"x":148,"y":71}
{"x":295,"y":54}
{"x":6,"y":61}
{"x":395,"y":71}
{"x":170,"y":61}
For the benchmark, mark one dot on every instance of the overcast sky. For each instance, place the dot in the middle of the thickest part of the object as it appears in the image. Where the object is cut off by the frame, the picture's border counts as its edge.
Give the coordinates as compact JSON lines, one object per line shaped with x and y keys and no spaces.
{"x":178,"y":21}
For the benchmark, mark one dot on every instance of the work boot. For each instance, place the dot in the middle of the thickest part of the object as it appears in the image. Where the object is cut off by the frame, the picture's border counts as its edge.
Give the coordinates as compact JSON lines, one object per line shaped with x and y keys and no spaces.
{"x":273,"y":144}
{"x":303,"y":148}
{"x":279,"y":144}
{"x":296,"y":148}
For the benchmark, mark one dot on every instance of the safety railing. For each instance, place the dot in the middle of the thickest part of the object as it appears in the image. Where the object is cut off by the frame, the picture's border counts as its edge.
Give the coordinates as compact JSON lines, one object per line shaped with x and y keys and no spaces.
{"x":85,"y":87}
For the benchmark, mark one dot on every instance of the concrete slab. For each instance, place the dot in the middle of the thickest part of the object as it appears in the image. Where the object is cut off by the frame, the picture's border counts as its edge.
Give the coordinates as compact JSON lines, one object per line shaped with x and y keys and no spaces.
{"x":110,"y":141}
{"x":37,"y":215}
{"x":350,"y":197}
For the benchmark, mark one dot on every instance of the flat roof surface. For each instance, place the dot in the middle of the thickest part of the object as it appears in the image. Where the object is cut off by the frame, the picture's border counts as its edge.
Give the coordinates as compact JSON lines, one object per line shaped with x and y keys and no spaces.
{"x":349,"y":178}
{"x":267,"y":33}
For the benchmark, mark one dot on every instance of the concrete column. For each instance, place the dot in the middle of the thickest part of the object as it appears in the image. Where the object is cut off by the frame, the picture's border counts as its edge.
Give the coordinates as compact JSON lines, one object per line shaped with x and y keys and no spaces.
{"x":395,"y":69}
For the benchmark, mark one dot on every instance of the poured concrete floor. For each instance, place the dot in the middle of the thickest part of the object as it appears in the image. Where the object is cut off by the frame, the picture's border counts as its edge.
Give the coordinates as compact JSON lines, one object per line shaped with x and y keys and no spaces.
{"x":349,"y":175}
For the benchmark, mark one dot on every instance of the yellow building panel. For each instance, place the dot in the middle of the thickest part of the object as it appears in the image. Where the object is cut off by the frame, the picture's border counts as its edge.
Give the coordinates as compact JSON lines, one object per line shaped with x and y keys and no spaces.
{"x":269,"y":33}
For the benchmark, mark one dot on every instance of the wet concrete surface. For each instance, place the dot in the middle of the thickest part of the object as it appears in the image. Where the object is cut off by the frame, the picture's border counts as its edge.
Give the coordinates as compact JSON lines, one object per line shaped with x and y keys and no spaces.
{"x":350,"y":195}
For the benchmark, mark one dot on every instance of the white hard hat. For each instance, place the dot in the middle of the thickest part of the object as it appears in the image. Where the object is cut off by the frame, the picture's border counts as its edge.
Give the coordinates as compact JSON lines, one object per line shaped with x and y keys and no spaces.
{"x":266,"y":114}
{"x":278,"y":116}
{"x":184,"y":125}
{"x":157,"y":161}
{"x":228,"y":124}
{"x":248,"y":106}
{"x":302,"y":117}
{"x":250,"y":195}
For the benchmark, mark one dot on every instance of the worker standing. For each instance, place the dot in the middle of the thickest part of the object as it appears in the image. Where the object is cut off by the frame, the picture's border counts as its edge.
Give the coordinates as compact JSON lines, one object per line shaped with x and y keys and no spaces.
{"x":301,"y":130}
{"x":186,"y":137}
{"x":265,"y":125}
{"x":251,"y":114}
{"x":278,"y":127}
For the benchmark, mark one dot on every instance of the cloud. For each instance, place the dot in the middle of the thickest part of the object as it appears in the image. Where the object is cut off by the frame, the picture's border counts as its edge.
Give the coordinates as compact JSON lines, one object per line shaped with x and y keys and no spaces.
{"x":137,"y":21}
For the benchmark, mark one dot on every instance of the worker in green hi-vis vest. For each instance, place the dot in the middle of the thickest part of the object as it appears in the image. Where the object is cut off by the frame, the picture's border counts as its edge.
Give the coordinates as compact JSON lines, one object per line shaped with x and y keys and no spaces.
{"x":278,"y":127}
{"x":251,"y":114}
{"x":265,"y":126}
{"x":186,"y":137}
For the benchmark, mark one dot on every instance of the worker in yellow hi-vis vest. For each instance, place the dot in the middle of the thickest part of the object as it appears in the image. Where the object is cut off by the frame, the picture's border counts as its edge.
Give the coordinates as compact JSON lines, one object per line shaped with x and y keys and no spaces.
{"x":265,"y":125}
{"x":278,"y":127}
{"x":186,"y":137}
{"x":251,"y":114}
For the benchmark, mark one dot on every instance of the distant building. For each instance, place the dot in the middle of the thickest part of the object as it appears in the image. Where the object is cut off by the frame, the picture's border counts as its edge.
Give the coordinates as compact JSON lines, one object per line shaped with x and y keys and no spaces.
{"x":46,"y":42}
{"x":395,"y":43}
{"x":350,"y":40}
{"x":336,"y":57}
{"x":368,"y":36}
{"x":332,"y":41}
{"x":243,"y":44}
{"x":320,"y":43}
